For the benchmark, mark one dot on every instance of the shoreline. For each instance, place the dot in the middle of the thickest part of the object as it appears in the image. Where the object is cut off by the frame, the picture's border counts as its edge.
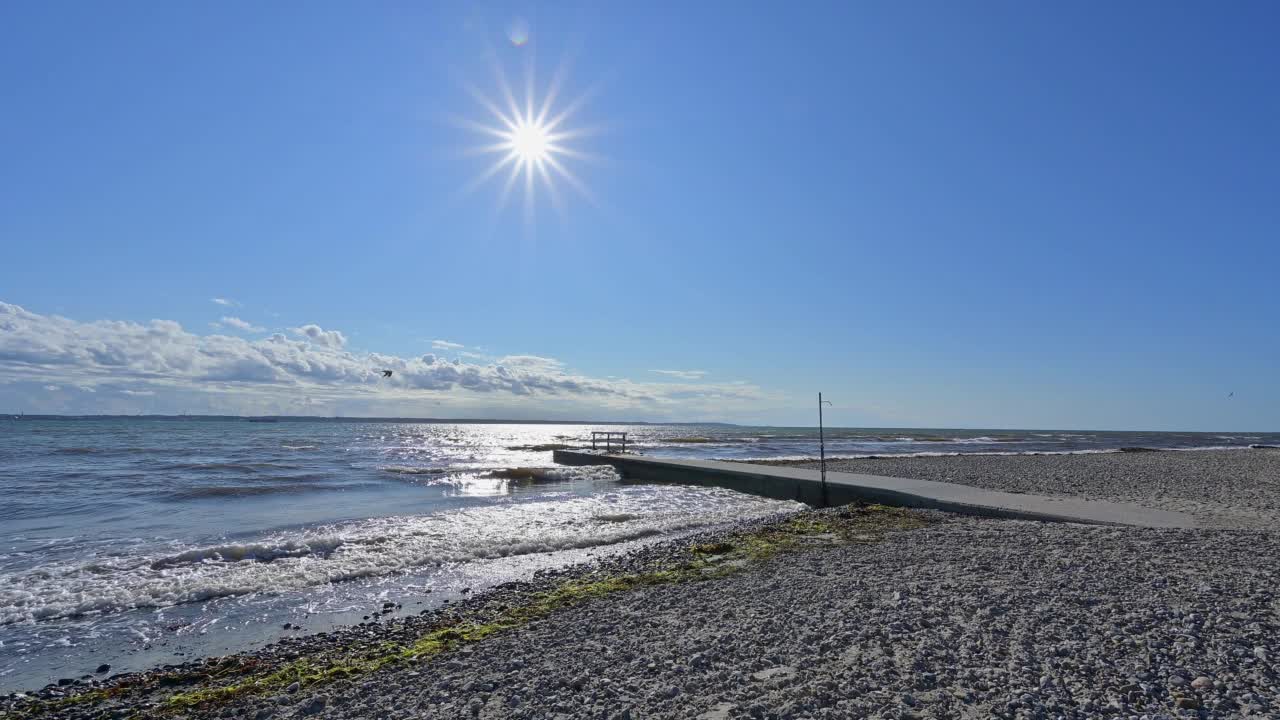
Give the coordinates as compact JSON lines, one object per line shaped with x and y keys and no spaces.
{"x":950,"y":617}
{"x":199,"y":685}
{"x":823,"y":614}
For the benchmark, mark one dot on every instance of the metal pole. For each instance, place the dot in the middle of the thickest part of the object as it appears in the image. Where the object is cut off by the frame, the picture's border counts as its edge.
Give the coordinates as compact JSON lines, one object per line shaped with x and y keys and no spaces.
{"x":822,"y":451}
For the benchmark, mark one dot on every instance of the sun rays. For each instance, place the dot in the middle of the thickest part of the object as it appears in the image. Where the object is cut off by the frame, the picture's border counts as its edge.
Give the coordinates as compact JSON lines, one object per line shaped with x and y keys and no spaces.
{"x":530,"y":141}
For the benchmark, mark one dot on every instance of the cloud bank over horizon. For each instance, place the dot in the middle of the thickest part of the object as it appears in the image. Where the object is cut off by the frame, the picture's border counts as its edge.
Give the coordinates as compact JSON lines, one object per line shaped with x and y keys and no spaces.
{"x":53,"y":364}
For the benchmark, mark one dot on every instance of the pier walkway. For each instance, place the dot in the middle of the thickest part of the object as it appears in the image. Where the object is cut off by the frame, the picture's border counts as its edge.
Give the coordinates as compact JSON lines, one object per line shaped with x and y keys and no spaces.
{"x":787,"y":483}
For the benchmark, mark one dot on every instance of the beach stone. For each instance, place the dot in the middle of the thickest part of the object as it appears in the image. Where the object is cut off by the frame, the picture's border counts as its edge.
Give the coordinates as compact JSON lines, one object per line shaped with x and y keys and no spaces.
{"x":718,"y":712}
{"x":315,"y":705}
{"x":1202,"y":683}
{"x":781,"y":671}
{"x":293,"y":687}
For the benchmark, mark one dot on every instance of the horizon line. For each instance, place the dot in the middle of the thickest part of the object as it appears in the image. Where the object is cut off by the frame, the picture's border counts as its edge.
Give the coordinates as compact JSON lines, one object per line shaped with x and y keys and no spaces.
{"x":511,"y":421}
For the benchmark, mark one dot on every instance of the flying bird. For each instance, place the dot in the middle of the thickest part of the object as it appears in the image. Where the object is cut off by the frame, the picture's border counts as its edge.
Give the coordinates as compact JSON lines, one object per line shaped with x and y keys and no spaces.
{"x":1231,"y":394}
{"x":386,"y":373}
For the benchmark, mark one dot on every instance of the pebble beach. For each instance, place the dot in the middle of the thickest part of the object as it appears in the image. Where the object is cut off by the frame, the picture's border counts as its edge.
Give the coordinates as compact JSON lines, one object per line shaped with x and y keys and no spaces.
{"x":820,"y":614}
{"x":1238,"y":488}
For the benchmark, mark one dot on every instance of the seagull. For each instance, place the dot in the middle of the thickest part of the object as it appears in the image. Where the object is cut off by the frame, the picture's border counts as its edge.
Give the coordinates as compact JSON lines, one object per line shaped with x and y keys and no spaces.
{"x":1231,"y":394}
{"x":386,"y":373}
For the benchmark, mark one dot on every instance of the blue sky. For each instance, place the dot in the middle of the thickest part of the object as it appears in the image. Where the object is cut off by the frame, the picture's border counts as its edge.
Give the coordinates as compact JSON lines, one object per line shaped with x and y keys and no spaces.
{"x":996,"y":214}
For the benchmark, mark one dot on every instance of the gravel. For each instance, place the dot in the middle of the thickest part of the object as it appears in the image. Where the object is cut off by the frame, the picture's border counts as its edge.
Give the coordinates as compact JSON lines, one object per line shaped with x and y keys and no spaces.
{"x":1220,"y":488}
{"x":965,"y":618}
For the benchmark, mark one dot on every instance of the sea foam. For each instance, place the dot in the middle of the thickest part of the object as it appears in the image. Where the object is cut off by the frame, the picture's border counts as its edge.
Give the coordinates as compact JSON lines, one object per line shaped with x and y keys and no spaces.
{"x":370,"y":548}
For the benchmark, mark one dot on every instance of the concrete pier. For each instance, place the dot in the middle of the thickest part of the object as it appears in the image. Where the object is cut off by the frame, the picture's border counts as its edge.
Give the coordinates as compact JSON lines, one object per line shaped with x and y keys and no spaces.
{"x":785,"y":483}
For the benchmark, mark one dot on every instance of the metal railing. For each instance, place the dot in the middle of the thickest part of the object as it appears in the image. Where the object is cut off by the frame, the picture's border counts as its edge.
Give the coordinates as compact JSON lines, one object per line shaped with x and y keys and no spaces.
{"x":608,"y":439}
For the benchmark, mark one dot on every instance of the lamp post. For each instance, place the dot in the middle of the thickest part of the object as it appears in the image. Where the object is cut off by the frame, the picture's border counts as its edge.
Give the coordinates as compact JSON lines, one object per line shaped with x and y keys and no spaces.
{"x":822,"y":448}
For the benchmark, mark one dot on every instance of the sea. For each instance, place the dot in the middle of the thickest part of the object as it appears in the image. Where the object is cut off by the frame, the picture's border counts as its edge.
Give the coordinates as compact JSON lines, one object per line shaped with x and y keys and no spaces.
{"x":136,"y":542}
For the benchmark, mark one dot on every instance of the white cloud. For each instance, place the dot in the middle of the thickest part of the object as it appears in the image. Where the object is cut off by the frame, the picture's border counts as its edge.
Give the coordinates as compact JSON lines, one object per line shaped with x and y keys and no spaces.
{"x":52,"y":388}
{"x":530,"y":362}
{"x":233,"y":373}
{"x":446,"y":345}
{"x":683,"y":374}
{"x":225,"y":302}
{"x":320,"y":336}
{"x":239,"y":324}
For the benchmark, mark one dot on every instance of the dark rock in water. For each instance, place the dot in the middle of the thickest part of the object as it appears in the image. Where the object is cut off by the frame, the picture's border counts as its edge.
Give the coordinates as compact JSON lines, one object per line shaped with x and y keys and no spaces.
{"x":386,"y":605}
{"x":63,"y":682}
{"x":466,"y":590}
{"x":103,"y":668}
{"x":288,"y":626}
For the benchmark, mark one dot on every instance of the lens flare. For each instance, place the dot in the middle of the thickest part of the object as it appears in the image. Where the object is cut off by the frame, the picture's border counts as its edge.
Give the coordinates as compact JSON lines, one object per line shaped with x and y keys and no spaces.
{"x":518,"y":32}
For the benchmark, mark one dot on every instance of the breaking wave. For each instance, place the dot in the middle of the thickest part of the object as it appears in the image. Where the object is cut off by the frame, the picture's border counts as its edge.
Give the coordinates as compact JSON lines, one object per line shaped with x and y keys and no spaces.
{"x":370,"y":548}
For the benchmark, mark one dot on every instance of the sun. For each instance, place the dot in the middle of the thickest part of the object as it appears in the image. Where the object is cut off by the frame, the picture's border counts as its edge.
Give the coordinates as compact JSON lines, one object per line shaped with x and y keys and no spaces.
{"x":531,"y":140}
